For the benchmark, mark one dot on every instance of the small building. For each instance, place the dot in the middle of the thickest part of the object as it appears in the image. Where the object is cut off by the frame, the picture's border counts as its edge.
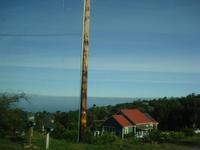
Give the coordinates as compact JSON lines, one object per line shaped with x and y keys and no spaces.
{"x":129,"y":121}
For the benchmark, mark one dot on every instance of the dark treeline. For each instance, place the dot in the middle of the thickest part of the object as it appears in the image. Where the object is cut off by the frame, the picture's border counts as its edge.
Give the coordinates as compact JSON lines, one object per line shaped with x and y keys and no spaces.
{"x":171,"y":113}
{"x":175,"y":113}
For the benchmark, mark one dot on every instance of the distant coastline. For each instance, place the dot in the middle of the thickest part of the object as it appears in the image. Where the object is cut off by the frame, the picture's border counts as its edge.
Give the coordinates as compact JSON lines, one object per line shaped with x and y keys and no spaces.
{"x":39,"y":103}
{"x":64,"y":103}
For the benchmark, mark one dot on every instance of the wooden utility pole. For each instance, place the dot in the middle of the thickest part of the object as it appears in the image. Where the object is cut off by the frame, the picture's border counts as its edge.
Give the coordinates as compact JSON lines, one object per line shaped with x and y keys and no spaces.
{"x":84,"y":74}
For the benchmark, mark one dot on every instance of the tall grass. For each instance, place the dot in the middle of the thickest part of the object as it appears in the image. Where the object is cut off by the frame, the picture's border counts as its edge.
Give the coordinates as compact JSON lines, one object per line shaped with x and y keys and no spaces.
{"x":38,"y":142}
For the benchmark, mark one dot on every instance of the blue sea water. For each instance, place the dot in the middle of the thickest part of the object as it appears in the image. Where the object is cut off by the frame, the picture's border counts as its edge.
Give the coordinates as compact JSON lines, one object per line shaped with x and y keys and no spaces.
{"x":38,"y":103}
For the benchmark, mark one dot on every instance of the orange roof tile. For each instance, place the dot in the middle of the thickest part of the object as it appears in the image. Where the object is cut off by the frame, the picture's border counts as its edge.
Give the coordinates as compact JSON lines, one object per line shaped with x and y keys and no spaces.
{"x":136,"y":116}
{"x":122,"y":120}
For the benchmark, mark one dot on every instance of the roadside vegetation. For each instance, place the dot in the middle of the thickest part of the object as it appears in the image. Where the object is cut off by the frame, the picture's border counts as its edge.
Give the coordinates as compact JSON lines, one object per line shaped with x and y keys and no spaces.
{"x":111,"y":142}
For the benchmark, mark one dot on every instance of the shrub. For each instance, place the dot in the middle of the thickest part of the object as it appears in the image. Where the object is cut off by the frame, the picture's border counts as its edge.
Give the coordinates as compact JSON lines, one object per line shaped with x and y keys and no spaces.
{"x":90,"y":139}
{"x":107,"y":139}
{"x":154,"y":136}
{"x":188,"y":132}
{"x":59,"y":131}
{"x":134,"y":140}
{"x":176,"y":135}
{"x":12,"y":119}
{"x":71,"y":135}
{"x":104,"y":139}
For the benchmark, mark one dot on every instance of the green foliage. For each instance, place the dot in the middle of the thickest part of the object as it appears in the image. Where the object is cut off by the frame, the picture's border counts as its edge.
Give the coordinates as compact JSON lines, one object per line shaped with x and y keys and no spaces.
{"x":89,"y":137}
{"x":154,"y":136}
{"x":6,"y":99}
{"x":174,"y":114}
{"x":68,"y":119}
{"x":107,"y":139}
{"x":133,"y":140}
{"x":59,"y":131}
{"x":189,"y":132}
{"x":104,"y":139}
{"x":159,"y":136}
{"x":11,"y":119}
{"x":190,"y":143}
{"x":71,"y":135}
{"x":173,"y":136}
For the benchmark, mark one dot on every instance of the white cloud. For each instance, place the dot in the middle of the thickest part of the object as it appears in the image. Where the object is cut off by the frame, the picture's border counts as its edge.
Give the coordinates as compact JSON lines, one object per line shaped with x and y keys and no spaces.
{"x":160,"y":65}
{"x":123,"y":63}
{"x":41,"y":62}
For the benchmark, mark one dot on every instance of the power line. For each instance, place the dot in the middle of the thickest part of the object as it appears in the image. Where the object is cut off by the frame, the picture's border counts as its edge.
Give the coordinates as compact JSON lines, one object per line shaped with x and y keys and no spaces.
{"x":38,"y":34}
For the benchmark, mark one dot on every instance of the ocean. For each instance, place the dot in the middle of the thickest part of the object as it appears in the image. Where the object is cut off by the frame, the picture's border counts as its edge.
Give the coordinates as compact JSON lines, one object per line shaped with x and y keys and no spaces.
{"x":38,"y":103}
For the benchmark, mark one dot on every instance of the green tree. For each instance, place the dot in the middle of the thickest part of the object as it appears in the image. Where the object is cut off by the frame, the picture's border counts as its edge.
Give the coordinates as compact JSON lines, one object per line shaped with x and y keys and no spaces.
{"x":11,"y":119}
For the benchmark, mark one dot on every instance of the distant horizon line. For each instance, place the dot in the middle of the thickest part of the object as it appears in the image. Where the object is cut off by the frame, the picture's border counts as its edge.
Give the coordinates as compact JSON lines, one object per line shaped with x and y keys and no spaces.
{"x":136,"y":97}
{"x":111,"y":97}
{"x":103,"y":69}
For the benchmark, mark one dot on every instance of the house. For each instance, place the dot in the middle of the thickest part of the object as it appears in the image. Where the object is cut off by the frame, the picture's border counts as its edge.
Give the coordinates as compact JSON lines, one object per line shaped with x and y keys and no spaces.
{"x":129,"y":121}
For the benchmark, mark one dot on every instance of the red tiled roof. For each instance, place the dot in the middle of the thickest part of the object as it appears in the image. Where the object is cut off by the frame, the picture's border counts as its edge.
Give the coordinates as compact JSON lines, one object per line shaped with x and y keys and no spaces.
{"x":122,"y":120}
{"x":136,"y":116}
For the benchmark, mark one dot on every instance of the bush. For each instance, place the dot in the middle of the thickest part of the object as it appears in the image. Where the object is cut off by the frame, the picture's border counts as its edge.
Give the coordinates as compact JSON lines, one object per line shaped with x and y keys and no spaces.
{"x":107,"y":139}
{"x":104,"y":139}
{"x":130,"y":135}
{"x":173,"y":136}
{"x":154,"y":136}
{"x":134,"y":140}
{"x":12,"y":119}
{"x":59,"y":131}
{"x":71,"y":135}
{"x":176,"y":135}
{"x":188,"y":132}
{"x":90,"y":139}
{"x":158,"y":136}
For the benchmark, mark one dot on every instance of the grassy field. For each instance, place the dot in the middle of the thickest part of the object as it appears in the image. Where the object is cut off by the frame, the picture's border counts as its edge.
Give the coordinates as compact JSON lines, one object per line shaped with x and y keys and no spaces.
{"x":189,"y":143}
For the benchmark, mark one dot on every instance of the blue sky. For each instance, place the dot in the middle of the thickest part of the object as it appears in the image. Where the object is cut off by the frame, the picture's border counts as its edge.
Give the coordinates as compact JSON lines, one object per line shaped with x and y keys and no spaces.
{"x":137,"y":48}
